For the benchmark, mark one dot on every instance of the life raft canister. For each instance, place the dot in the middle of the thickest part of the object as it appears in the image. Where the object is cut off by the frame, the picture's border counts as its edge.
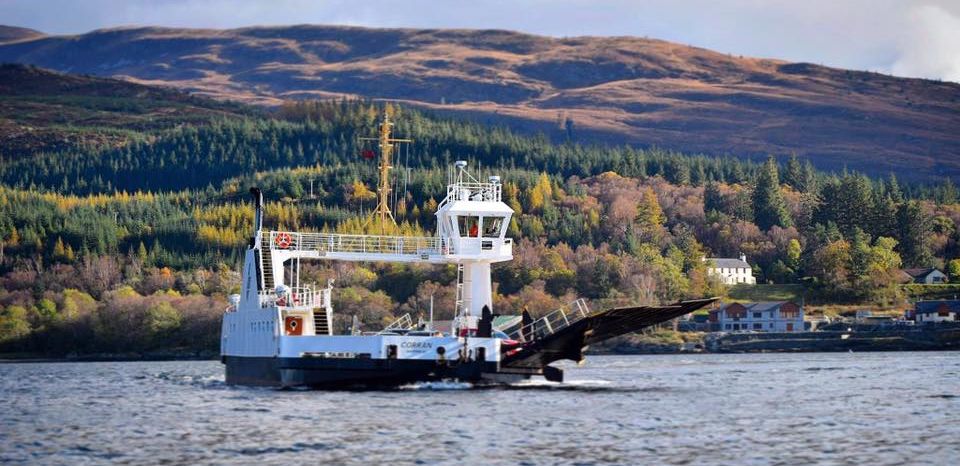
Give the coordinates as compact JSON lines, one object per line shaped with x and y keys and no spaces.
{"x":283,"y":240}
{"x":293,"y":325}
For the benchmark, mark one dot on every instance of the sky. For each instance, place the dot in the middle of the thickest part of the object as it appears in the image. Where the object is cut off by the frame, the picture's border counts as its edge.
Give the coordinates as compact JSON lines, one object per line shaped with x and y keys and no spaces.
{"x":914,"y":38}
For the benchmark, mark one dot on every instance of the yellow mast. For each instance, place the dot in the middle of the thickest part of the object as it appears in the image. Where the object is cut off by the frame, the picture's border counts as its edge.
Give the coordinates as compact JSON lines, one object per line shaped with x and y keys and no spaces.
{"x":386,"y":144}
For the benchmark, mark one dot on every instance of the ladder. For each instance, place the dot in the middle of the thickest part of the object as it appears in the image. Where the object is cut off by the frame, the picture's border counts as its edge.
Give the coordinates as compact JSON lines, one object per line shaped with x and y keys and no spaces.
{"x":462,"y":304}
{"x":266,"y":265}
{"x":321,"y":326}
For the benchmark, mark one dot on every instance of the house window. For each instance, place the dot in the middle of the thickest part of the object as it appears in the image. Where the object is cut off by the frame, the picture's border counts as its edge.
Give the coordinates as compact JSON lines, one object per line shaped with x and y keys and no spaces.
{"x":758,"y":326}
{"x":757,"y":315}
{"x":727,"y":327}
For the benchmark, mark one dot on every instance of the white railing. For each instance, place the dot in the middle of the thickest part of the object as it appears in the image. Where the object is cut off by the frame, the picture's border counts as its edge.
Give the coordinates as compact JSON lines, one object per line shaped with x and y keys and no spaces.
{"x":552,"y":322}
{"x":394,"y":245}
{"x":403,"y":323}
{"x":332,"y":242}
{"x":473,"y":191}
{"x":297,"y":296}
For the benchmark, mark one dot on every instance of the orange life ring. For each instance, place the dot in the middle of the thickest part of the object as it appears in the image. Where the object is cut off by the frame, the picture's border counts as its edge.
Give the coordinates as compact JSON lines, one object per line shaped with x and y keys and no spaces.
{"x":283,"y":240}
{"x":293,"y":325}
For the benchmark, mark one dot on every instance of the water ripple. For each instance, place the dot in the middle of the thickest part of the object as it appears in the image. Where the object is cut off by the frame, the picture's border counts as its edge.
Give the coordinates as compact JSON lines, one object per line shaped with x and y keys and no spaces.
{"x":863,"y":408}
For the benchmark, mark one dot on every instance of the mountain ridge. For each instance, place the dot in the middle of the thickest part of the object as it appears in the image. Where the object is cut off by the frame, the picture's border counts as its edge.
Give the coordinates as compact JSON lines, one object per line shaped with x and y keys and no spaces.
{"x":610,"y":89}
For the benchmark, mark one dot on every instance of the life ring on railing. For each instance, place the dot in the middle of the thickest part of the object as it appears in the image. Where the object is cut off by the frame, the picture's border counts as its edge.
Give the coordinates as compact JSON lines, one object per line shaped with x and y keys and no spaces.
{"x":283,"y":240}
{"x":293,"y":325}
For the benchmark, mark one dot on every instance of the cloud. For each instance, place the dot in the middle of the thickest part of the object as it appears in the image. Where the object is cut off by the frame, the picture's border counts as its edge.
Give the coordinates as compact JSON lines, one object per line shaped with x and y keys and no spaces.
{"x":930,"y":46}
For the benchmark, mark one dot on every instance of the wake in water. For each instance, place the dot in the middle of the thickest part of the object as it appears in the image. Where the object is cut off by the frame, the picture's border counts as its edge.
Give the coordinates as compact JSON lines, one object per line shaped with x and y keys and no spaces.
{"x":439,"y":386}
{"x":532,"y":384}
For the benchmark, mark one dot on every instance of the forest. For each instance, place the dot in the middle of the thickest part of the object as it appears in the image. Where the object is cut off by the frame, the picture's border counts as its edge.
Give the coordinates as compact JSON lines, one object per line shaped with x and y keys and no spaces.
{"x":133,"y":246}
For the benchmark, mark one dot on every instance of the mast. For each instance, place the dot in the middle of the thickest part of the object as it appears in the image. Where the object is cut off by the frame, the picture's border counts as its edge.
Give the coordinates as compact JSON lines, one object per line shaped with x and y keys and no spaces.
{"x":386,"y":145}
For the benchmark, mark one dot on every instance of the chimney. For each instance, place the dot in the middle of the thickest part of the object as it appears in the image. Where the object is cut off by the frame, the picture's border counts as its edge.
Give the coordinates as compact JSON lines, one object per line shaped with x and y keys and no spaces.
{"x":743,"y":257}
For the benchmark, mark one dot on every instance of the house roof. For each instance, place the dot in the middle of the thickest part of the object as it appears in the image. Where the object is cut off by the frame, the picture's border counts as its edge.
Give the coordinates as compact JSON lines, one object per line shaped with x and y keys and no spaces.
{"x":920,"y":273}
{"x":727,"y":263}
{"x":765,"y":305}
{"x":929,"y":307}
{"x":758,"y":306}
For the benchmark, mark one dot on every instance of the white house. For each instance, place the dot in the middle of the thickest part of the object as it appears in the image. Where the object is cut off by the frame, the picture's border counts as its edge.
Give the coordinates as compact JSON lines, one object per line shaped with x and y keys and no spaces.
{"x":928,"y":276}
{"x":774,"y":316}
{"x":937,"y":311}
{"x":731,"y":271}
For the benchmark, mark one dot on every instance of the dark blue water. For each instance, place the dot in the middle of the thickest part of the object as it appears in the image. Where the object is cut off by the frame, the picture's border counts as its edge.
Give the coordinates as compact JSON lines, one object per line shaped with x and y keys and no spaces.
{"x":862,"y":408}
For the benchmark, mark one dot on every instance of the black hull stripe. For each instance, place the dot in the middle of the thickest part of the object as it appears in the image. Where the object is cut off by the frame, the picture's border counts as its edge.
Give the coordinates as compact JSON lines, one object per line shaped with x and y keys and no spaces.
{"x":348,"y":373}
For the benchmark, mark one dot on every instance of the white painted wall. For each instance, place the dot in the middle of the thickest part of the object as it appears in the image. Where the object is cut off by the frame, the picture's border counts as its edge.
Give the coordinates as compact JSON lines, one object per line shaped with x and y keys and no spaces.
{"x":936,"y":317}
{"x":769,"y":321}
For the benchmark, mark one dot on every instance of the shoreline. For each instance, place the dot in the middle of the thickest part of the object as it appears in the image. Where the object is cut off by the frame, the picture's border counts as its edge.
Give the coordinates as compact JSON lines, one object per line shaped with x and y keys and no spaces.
{"x":31,"y":359}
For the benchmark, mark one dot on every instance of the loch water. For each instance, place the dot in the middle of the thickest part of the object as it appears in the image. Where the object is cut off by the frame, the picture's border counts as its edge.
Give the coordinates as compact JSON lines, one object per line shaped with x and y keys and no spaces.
{"x":847,"y":408}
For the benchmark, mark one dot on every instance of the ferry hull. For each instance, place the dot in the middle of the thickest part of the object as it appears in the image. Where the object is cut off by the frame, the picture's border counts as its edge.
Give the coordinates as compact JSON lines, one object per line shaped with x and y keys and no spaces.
{"x":333,"y":373}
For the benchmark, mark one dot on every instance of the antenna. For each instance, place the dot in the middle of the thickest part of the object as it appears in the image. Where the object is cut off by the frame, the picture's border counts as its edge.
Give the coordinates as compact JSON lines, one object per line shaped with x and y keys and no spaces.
{"x":386,"y":144}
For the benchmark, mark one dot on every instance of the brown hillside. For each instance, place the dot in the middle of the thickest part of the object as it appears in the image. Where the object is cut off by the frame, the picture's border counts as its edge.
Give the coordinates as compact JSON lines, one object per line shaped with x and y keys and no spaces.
{"x":619,"y":89}
{"x":13,"y":34}
{"x":41,"y":110}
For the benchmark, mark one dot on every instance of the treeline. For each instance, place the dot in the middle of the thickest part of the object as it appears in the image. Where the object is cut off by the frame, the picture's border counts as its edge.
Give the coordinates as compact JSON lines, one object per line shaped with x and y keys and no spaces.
{"x":616,"y":225}
{"x":327,"y":134}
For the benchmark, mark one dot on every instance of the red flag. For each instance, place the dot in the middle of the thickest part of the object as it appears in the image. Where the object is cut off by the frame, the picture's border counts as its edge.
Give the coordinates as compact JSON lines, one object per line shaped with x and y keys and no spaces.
{"x":368,"y":154}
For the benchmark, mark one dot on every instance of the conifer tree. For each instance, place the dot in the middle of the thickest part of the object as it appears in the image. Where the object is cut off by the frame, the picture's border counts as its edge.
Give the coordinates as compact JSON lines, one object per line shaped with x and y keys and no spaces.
{"x":914,"y":229}
{"x":769,"y":207}
{"x":795,"y":176}
{"x":59,"y":251}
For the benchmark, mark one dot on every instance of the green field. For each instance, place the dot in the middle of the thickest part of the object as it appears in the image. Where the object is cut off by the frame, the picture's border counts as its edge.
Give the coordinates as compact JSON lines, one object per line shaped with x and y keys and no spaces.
{"x":754,"y":293}
{"x":942,"y":291}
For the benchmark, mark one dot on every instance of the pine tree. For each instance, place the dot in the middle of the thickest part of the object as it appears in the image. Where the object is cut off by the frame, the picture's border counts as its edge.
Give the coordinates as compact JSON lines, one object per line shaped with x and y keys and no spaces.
{"x":769,"y":207}
{"x":795,"y":176}
{"x":893,"y":189}
{"x":914,"y":228}
{"x":14,"y":239}
{"x":712,"y":198}
{"x":59,"y":251}
{"x":649,"y":213}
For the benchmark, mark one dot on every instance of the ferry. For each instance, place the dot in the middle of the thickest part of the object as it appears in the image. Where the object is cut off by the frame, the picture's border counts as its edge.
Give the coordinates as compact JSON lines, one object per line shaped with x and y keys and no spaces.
{"x":279,"y":332}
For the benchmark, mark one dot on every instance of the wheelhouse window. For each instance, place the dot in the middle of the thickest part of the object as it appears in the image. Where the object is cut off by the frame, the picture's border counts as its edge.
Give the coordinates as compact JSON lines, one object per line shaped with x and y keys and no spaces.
{"x":468,"y":226}
{"x":492,"y":227}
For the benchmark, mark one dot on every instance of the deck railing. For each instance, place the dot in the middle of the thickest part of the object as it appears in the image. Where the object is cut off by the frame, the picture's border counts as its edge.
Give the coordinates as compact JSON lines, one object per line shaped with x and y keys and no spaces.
{"x":297,"y":296}
{"x":552,"y":322}
{"x":332,"y":242}
{"x":394,"y":245}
